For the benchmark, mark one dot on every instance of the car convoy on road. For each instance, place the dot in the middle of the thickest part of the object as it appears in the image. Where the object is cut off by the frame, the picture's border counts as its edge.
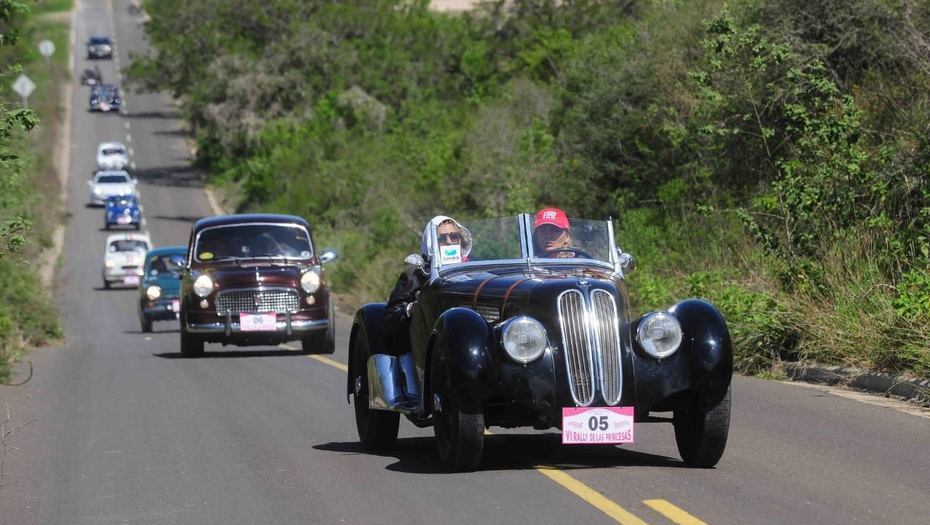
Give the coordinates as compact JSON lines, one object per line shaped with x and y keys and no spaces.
{"x":505,"y":331}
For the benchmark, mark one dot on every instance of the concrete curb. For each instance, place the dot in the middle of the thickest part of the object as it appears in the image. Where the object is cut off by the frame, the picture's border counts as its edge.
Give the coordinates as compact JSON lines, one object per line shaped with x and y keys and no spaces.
{"x":888,"y":385}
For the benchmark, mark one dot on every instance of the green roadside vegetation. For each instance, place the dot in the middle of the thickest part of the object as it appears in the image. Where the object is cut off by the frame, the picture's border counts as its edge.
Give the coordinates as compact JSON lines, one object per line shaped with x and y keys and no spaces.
{"x":771,"y":156}
{"x":29,"y":186}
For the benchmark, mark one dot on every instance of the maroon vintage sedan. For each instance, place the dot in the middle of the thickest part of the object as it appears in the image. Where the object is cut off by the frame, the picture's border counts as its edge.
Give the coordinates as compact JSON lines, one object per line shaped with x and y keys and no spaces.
{"x":255,"y":279}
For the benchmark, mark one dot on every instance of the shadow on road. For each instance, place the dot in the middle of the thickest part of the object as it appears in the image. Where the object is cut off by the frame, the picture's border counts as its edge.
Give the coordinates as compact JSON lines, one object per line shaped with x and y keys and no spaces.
{"x":115,"y":288}
{"x":182,"y":176}
{"x":174,"y":133}
{"x":153,"y":332}
{"x":511,"y":452}
{"x":232,"y":354}
{"x":154,"y":114}
{"x":178,"y":218}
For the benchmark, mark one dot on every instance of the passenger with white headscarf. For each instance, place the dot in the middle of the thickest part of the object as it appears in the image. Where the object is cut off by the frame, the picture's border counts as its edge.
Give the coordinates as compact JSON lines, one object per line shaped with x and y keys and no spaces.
{"x":396,"y":367}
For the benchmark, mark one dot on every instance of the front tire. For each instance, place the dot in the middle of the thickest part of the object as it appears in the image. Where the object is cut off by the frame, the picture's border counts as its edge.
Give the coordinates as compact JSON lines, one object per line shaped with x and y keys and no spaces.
{"x":191,"y":345}
{"x":146,"y":324}
{"x":702,"y":424}
{"x":377,"y":429}
{"x":322,"y":343}
{"x":459,"y":434}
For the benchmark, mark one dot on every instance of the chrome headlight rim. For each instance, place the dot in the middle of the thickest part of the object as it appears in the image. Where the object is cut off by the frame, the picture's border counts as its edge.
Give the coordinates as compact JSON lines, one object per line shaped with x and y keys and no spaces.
{"x":203,"y":286}
{"x":310,"y":281}
{"x":508,"y":343}
{"x":648,"y":343}
{"x":153,"y":292}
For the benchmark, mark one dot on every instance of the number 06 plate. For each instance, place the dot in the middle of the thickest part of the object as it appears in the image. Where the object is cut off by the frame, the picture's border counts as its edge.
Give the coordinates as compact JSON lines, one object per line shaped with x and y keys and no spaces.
{"x":597,"y":425}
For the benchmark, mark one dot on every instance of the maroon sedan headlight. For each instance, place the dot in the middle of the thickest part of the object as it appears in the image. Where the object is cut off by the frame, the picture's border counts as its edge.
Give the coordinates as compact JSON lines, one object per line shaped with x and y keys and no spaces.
{"x":310,"y":281}
{"x":203,"y":286}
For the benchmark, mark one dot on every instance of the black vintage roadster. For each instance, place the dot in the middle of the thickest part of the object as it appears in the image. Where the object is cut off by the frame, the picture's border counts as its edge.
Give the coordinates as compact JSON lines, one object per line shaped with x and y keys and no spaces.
{"x":507,"y":337}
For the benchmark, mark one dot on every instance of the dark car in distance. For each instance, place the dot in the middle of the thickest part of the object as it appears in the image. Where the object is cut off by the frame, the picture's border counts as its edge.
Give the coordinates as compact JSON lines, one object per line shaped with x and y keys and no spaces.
{"x":255,"y":279}
{"x":105,"y":97}
{"x":508,"y":337}
{"x":159,"y":291}
{"x":99,"y":47}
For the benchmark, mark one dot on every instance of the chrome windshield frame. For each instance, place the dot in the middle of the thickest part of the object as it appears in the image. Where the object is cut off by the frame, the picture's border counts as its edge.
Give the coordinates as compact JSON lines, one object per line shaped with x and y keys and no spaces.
{"x":191,"y":259}
{"x":528,"y":258}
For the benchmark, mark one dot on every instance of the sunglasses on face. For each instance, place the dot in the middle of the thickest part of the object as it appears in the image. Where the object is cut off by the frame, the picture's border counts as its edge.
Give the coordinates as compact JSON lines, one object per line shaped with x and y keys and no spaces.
{"x":449,"y":237}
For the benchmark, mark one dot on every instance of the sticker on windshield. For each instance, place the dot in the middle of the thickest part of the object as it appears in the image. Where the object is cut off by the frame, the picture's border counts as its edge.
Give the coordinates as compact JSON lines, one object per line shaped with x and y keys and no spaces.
{"x":450,"y":254}
{"x":206,"y":256}
{"x":305,"y":254}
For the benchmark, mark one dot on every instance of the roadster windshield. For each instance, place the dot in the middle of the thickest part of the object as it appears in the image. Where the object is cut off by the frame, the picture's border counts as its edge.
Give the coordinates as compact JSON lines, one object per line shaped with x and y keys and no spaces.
{"x":584,"y":239}
{"x":479,"y":240}
{"x":517,"y":239}
{"x":253,"y":241}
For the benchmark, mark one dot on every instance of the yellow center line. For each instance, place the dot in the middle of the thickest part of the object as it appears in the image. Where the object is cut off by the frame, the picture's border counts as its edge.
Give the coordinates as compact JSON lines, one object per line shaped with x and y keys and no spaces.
{"x":325,"y":360}
{"x":593,"y":497}
{"x":330,"y":362}
{"x":672,"y":512}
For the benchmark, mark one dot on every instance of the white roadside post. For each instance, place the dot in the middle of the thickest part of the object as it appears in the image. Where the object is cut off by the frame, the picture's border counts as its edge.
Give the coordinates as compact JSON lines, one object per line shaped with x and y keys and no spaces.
{"x":47,"y":49}
{"x":24,"y":87}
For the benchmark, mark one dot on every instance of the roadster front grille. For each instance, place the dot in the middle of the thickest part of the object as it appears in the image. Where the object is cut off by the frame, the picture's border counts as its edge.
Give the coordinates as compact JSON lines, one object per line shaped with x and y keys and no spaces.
{"x":591,"y":344}
{"x":576,"y":344}
{"x":607,"y":335}
{"x":280,"y":300}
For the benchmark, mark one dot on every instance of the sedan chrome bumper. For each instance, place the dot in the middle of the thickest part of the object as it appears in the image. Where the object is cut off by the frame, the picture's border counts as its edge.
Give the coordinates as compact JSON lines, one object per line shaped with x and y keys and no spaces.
{"x":282,"y":327}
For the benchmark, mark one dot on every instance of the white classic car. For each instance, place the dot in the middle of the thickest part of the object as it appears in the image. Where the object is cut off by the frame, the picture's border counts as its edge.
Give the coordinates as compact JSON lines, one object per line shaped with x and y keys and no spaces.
{"x":124,"y":259}
{"x":108,"y":183}
{"x":112,"y":156}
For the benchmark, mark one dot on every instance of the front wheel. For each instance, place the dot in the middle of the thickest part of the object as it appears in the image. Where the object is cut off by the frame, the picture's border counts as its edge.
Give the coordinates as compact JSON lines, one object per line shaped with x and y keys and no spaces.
{"x":191,"y":345}
{"x":377,"y":429}
{"x":146,"y":324}
{"x":702,"y":424}
{"x":459,"y":433}
{"x":321,"y":343}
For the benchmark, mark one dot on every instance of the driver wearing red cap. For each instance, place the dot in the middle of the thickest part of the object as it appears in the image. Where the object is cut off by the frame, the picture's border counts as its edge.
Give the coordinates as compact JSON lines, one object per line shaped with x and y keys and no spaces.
{"x":550,"y":234}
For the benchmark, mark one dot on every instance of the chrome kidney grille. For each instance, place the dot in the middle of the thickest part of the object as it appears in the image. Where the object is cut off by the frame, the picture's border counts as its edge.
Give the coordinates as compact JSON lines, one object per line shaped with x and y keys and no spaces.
{"x":607,"y":335}
{"x":591,"y":344}
{"x":280,"y":301}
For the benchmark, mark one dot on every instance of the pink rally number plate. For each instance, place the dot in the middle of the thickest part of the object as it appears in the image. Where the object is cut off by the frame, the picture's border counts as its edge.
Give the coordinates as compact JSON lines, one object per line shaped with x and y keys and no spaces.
{"x":597,"y":425}
{"x":257,"y":322}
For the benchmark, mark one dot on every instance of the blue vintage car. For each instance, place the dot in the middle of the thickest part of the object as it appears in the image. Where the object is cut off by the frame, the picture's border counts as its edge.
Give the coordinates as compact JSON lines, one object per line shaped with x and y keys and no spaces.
{"x":161,"y":285}
{"x":122,"y":210}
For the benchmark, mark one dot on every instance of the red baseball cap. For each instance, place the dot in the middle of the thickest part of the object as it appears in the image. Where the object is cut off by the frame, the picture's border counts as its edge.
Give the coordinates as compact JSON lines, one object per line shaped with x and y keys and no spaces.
{"x":553,"y":216}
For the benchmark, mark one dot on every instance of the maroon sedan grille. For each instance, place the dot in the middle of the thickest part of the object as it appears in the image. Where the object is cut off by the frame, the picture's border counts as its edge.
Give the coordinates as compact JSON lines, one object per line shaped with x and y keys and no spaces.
{"x":258,"y":301}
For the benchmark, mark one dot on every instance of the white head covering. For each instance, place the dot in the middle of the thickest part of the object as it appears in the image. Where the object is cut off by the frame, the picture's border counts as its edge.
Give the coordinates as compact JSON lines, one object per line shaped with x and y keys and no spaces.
{"x":426,"y":244}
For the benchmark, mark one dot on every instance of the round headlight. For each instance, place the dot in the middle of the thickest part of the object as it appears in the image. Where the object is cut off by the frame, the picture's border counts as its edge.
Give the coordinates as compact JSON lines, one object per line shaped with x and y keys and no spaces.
{"x":524,"y":339}
{"x":659,"y":334}
{"x":310,"y":281}
{"x":153,"y":292}
{"x":203,"y":286}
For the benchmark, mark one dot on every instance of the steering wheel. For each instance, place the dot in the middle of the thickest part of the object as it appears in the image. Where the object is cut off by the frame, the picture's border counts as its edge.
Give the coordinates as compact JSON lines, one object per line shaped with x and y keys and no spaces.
{"x":580,"y":254}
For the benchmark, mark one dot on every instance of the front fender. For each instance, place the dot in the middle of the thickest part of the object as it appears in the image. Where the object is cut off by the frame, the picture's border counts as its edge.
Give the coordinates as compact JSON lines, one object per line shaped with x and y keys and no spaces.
{"x":367,"y":323}
{"x":710,"y":349}
{"x":462,"y":337}
{"x":704,"y":362}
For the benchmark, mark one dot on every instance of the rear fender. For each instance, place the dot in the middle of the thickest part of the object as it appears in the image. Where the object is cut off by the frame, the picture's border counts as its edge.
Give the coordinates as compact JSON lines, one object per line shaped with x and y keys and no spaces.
{"x":462,"y":336}
{"x":367,"y":323}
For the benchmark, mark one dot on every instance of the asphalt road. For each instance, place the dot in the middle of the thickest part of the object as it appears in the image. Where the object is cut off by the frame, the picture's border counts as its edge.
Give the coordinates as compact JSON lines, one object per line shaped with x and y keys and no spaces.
{"x":119,"y":429}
